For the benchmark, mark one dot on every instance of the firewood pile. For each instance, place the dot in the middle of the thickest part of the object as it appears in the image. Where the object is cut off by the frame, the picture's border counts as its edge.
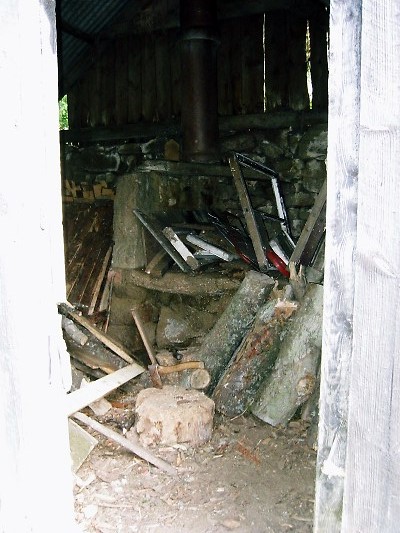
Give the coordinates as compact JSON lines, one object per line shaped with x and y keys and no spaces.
{"x":262,"y":355}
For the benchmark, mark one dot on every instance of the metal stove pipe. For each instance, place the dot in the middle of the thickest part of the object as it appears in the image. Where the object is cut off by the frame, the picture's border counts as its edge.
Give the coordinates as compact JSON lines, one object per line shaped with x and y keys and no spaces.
{"x":200,"y":134}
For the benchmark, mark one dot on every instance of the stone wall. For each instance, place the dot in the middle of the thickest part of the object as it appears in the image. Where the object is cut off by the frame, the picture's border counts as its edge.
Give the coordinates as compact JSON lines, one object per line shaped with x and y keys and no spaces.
{"x":175,"y":315}
{"x":299,"y":156}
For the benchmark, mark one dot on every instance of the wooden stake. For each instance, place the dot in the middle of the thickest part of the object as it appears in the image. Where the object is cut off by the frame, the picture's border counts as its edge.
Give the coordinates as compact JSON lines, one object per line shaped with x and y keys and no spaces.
{"x":135,"y":448}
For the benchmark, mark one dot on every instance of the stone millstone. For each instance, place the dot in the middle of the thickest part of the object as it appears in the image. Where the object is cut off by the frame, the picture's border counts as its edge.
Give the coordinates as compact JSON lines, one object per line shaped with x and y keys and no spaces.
{"x":173,"y":415}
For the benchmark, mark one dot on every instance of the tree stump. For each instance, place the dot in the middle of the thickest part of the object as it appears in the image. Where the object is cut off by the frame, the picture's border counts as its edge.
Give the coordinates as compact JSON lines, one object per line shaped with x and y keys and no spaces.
{"x":294,"y":376}
{"x":173,"y":415}
{"x":221,"y":342}
{"x":254,"y":359}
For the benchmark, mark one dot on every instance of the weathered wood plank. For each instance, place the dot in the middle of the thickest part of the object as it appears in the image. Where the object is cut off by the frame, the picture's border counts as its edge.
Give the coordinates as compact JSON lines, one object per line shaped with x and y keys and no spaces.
{"x":372,"y":482}
{"x":176,"y":68}
{"x":341,"y":227}
{"x":318,"y":27}
{"x":134,"y":79}
{"x":133,"y":447}
{"x":236,"y":66}
{"x":100,"y":387}
{"x":107,"y":87}
{"x":34,"y":366}
{"x":149,"y":94}
{"x":163,"y":77}
{"x":296,"y":65}
{"x":224,"y":71}
{"x":279,"y":119}
{"x":121,"y":80}
{"x":253,"y":64}
{"x":276,"y":75}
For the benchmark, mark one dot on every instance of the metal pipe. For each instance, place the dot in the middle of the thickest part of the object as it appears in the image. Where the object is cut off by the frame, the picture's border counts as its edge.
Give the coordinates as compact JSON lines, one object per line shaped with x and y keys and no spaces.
{"x":200,"y":133}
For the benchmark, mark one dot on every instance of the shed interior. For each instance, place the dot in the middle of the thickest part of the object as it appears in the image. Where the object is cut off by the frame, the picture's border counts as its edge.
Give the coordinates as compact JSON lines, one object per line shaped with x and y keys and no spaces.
{"x":164,"y":97}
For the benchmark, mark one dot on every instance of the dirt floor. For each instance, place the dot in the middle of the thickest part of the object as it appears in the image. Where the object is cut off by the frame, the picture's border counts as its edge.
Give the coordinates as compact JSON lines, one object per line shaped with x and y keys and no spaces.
{"x":250,"y":477}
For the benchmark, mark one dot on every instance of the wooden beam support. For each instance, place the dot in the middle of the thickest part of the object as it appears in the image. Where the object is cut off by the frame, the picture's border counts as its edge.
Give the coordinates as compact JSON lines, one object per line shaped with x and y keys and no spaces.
{"x":358,"y":472}
{"x":35,"y":482}
{"x":341,"y":235}
{"x":147,"y":130}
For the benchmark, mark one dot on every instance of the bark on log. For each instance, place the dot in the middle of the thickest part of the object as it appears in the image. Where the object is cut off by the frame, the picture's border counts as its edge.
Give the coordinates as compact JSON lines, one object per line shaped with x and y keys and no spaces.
{"x":254,"y":359}
{"x":221,"y":342}
{"x":294,"y":376}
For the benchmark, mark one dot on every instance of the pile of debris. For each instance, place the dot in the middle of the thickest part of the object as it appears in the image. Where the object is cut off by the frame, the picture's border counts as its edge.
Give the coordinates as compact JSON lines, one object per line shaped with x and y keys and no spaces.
{"x":262,"y":355}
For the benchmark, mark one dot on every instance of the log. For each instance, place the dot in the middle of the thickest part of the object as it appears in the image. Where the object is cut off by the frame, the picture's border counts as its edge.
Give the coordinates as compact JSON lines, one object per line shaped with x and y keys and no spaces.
{"x":105,"y":339}
{"x":173,"y":415}
{"x":254,"y":359}
{"x":223,"y":339}
{"x":294,"y":376}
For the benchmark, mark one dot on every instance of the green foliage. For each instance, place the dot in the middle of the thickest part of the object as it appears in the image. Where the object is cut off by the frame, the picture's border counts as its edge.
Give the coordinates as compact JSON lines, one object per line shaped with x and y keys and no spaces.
{"x":63,"y":113}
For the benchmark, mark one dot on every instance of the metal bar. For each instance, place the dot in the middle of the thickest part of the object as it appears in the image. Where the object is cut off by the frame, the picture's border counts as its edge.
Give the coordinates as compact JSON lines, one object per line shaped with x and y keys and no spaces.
{"x":154,"y":228}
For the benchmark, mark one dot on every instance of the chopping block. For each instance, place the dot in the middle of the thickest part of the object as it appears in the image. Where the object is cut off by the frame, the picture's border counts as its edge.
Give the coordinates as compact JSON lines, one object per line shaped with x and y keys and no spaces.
{"x":173,"y":415}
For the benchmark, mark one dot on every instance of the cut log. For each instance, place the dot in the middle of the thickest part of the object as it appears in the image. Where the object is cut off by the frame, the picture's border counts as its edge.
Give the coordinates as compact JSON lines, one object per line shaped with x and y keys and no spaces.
{"x":73,"y":331}
{"x":294,"y":376}
{"x":66,"y":310}
{"x":221,"y":342}
{"x":173,"y":415}
{"x":254,"y":359}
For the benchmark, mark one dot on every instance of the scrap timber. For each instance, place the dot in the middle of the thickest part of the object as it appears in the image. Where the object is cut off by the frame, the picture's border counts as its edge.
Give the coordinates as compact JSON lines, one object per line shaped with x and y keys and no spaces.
{"x":88,"y":249}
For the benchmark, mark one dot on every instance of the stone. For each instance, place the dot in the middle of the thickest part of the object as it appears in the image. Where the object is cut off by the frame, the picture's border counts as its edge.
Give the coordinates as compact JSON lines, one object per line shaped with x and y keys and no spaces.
{"x":173,"y":415}
{"x":314,"y":175}
{"x":94,"y":159}
{"x":271,"y":150}
{"x":314,"y":143}
{"x":239,"y":142}
{"x":181,"y":325}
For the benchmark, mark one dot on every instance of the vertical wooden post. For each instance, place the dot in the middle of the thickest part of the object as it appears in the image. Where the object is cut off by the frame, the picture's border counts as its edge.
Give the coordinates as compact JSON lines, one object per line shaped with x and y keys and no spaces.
{"x":341,"y":227}
{"x":358,"y":477}
{"x":35,"y":465}
{"x":372,"y":481}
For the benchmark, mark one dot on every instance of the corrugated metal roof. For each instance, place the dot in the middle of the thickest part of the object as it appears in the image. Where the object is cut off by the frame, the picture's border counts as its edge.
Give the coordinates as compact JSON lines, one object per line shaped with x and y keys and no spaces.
{"x":88,"y":17}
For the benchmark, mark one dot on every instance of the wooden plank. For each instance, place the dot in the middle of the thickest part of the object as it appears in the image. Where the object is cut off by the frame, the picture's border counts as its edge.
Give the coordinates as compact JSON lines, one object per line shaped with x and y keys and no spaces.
{"x":341,"y":227}
{"x":256,"y":230}
{"x":99,"y":280}
{"x":296,"y":65}
{"x":224,"y":71}
{"x":314,"y":227}
{"x":372,"y":481}
{"x":276,"y":69}
{"x":163,"y":76}
{"x":100,"y":387}
{"x":133,"y":447}
{"x":121,"y":80}
{"x":148,"y":78}
{"x":253,"y":64}
{"x":279,"y":119}
{"x":34,"y":367}
{"x":74,"y":115}
{"x":176,"y":67}
{"x":236,"y":66}
{"x":107,"y":87}
{"x":318,"y":27}
{"x":134,"y":79}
